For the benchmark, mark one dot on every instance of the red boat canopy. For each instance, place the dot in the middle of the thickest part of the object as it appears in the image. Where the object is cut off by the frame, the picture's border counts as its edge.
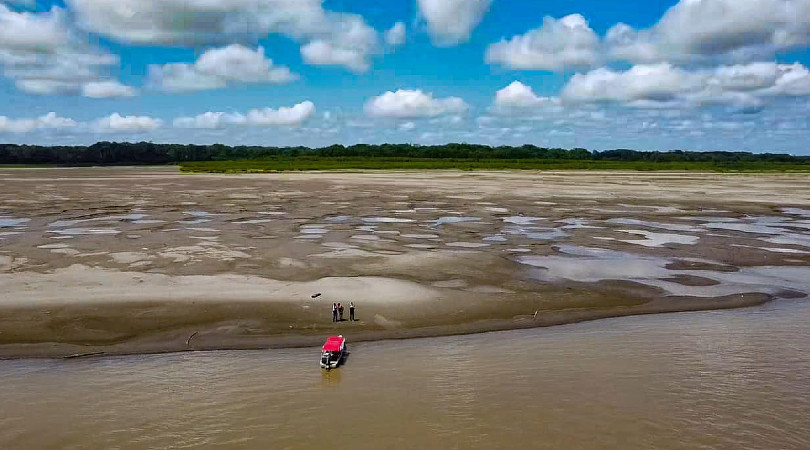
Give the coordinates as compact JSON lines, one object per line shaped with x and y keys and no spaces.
{"x":333,"y":344}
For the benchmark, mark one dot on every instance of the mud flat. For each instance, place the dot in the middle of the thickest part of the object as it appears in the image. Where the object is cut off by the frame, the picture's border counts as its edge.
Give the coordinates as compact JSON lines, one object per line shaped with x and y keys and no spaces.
{"x":133,"y":260}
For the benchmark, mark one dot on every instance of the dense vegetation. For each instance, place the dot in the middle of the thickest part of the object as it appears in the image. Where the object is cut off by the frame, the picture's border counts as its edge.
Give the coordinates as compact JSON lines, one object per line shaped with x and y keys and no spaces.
{"x":222,"y":158}
{"x":326,"y":163}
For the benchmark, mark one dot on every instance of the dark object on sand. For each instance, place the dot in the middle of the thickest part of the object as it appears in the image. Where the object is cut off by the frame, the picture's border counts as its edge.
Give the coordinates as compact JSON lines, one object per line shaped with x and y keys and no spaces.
{"x":316,"y":295}
{"x":83,"y":355}
{"x":188,"y":341}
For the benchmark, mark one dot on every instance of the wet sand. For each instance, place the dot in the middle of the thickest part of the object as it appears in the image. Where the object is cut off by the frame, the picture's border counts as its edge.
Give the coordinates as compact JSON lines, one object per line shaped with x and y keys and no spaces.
{"x":137,"y":260}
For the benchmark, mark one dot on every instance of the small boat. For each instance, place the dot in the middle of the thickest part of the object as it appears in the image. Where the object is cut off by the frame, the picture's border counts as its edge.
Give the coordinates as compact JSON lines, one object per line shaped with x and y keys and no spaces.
{"x":333,"y":352}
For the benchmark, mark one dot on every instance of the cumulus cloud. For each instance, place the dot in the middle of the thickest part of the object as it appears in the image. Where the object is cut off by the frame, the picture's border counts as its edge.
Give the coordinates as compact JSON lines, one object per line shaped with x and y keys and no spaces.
{"x":396,"y":35}
{"x":44,"y":56}
{"x":556,"y":45}
{"x":195,"y":22}
{"x":129,"y":124}
{"x":50,"y":120}
{"x":106,"y":89}
{"x":734,"y":30}
{"x":517,"y":97}
{"x":450,"y":22}
{"x":705,"y":32}
{"x":404,"y":104}
{"x":325,"y":53}
{"x":218,"y":67}
{"x":261,"y":117}
{"x":664,"y":85}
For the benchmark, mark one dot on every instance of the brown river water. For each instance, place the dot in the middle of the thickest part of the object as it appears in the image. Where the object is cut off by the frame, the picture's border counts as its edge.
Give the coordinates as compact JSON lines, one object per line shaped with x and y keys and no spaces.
{"x":727,"y":380}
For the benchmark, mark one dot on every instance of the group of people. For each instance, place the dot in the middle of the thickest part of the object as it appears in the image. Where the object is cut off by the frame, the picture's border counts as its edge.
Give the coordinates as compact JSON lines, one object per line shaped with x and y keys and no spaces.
{"x":337,"y":312}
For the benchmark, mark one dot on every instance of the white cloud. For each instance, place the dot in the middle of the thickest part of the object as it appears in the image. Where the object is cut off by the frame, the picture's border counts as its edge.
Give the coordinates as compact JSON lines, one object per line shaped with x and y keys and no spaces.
{"x":555,"y":46}
{"x":192,"y":22}
{"x":218,"y":67}
{"x":664,"y":85}
{"x":324,"y":53}
{"x":50,"y":120}
{"x":731,"y":30}
{"x":106,"y":89}
{"x":450,"y":22}
{"x":44,"y":56}
{"x":261,"y":117}
{"x":285,"y":116}
{"x":131,"y":124}
{"x":209,"y":120}
{"x":404,"y":104}
{"x":396,"y":35}
{"x":407,"y":126}
{"x":517,"y":97}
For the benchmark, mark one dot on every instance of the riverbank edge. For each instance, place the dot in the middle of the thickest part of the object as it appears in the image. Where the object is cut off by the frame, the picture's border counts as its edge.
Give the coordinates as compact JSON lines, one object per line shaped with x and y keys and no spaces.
{"x":208,"y":341}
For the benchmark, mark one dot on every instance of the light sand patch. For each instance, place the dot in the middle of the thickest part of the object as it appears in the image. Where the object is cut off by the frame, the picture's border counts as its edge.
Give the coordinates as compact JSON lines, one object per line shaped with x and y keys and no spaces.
{"x":292,"y":262}
{"x":420,"y":236}
{"x":421,"y":246}
{"x":79,"y":284}
{"x":129,"y":257}
{"x":52,"y":246}
{"x":365,"y":237}
{"x":467,"y":244}
{"x":451,"y":284}
{"x":496,"y":209}
{"x":66,"y":251}
{"x":386,"y":323}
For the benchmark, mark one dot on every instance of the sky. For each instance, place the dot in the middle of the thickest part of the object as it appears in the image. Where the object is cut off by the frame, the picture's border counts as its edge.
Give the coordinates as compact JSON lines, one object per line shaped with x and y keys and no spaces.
{"x":598,"y":74}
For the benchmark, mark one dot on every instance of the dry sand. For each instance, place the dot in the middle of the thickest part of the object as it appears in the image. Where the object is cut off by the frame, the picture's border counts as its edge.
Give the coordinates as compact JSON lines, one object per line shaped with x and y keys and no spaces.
{"x":131,"y":260}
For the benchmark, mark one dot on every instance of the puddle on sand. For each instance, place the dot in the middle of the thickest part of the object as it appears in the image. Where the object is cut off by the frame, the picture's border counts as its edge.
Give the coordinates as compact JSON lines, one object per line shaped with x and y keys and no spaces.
{"x":521,"y":220}
{"x":659,"y":239}
{"x":12,"y":222}
{"x":85,"y":231}
{"x":386,"y":220}
{"x":802,"y":240}
{"x":644,"y":223}
{"x":754,"y":228}
{"x":592,"y":265}
{"x":451,"y":220}
{"x":577,"y":224}
{"x":797,"y":212}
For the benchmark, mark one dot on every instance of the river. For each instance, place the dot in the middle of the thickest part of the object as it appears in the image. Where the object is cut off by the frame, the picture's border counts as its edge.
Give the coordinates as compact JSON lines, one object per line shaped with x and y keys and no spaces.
{"x":735,"y":379}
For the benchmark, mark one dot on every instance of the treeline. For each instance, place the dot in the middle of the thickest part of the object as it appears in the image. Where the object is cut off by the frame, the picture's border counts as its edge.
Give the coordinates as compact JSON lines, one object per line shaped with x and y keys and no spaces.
{"x":114,"y":153}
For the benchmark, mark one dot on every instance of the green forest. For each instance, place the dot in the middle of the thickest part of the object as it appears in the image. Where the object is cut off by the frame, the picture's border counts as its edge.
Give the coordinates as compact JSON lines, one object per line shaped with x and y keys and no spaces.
{"x":222,"y":158}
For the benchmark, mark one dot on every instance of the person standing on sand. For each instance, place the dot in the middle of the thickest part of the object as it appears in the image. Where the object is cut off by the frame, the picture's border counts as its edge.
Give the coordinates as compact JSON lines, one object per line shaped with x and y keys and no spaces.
{"x":351,"y":311}
{"x":340,"y":311}
{"x":334,"y":312}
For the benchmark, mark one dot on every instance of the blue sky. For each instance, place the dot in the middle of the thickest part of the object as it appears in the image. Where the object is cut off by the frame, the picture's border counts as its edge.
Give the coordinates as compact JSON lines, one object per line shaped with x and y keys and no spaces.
{"x":702,"y":75}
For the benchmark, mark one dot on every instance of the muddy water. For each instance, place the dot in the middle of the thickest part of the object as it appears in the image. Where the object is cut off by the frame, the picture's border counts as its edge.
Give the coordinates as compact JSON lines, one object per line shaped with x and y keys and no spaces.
{"x":727,"y":380}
